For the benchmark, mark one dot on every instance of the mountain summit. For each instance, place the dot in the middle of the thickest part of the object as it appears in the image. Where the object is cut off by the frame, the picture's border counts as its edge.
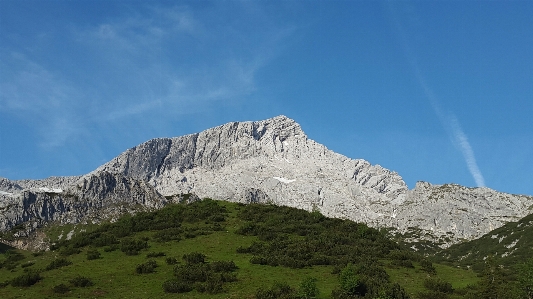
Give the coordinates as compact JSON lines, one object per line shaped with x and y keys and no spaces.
{"x":273,"y":161}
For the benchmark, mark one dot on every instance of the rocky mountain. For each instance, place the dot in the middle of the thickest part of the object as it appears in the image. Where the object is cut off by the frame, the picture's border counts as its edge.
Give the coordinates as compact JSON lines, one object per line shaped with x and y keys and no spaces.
{"x":273,"y":161}
{"x":92,"y":199}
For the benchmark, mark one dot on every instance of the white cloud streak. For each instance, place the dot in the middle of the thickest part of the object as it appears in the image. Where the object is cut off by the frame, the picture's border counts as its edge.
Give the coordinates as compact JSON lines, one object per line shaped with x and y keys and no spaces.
{"x":142,"y":70}
{"x":449,"y":122}
{"x":467,"y":151}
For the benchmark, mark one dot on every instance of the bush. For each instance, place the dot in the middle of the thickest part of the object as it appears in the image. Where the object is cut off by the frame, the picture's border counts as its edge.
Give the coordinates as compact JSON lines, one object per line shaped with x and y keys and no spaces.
{"x":27,"y":264}
{"x":171,"y":260}
{"x":213,"y":285}
{"x":61,"y":289}
{"x":58,"y":263}
{"x":191,"y":273}
{"x":350,"y":282}
{"x":93,"y":254}
{"x":132,"y":247}
{"x":66,"y":251}
{"x":174,"y":286}
{"x":259,"y":260}
{"x":11,"y":255}
{"x":437,"y":285}
{"x":111,"y":248}
{"x":194,"y":258}
{"x":431,"y":295}
{"x":223,"y":266}
{"x":278,"y":290}
{"x":81,"y":281}
{"x":148,"y":267}
{"x":428,"y":267}
{"x":155,"y":254}
{"x":26,"y":279}
{"x":403,"y":263}
{"x":168,"y":234}
{"x":308,"y":288}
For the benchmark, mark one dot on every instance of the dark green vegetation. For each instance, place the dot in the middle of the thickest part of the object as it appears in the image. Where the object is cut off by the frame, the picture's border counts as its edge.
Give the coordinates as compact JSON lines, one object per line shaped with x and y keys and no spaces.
{"x":508,"y":245}
{"x":503,"y":257}
{"x":211,"y":249}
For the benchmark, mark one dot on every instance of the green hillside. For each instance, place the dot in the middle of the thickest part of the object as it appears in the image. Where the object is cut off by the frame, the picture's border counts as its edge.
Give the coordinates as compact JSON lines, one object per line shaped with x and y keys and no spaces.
{"x":215,"y":249}
{"x":508,"y":245}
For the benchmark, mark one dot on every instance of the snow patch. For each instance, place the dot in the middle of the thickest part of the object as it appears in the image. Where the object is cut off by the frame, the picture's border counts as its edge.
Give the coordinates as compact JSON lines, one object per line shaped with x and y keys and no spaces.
{"x":512,"y":244}
{"x":5,"y":193}
{"x":70,"y":234}
{"x":51,"y":190}
{"x":283,"y":180}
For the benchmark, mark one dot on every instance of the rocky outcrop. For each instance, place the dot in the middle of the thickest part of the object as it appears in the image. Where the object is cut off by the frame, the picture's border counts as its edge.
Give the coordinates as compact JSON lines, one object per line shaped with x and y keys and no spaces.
{"x":457,"y":212}
{"x":8,"y":187}
{"x":271,"y":161}
{"x":92,"y":198}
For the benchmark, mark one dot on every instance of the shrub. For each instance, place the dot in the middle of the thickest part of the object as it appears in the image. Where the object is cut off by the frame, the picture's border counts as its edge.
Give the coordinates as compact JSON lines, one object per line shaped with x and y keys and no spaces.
{"x":194,"y":258}
{"x":259,"y":260}
{"x":435,"y":284}
{"x":191,"y":272}
{"x":12,"y":255}
{"x":428,"y":267}
{"x":27,"y":264}
{"x":58,"y":263}
{"x":223,"y":266}
{"x":175,"y":286}
{"x":148,"y":267}
{"x":81,"y":281}
{"x":104,"y":239}
{"x":155,"y":254}
{"x":431,"y":295}
{"x":93,"y":254}
{"x":132,"y":247}
{"x":111,"y":248}
{"x":213,"y":285}
{"x":61,"y":289}
{"x":171,"y":260}
{"x":26,"y":279}
{"x":403,"y":263}
{"x":168,"y":234}
{"x":278,"y":290}
{"x":308,"y":288}
{"x":350,"y":282}
{"x":69,"y":250}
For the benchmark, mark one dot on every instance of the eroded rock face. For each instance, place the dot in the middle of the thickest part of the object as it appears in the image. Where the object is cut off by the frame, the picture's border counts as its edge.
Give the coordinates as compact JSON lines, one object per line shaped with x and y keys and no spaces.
{"x":92,"y":198}
{"x":274,"y":161}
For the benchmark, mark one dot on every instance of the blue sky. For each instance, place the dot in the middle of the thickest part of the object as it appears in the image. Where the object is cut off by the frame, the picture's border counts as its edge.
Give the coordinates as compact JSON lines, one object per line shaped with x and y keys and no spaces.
{"x":437,"y":91}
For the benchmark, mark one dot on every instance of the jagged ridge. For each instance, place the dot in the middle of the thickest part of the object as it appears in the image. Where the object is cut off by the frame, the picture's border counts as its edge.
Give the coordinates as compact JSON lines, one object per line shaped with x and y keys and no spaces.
{"x":274,"y":161}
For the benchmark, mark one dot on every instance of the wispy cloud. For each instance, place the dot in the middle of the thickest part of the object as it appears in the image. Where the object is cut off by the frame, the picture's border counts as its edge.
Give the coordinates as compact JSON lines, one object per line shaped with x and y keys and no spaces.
{"x":41,"y":98}
{"x":155,"y":63}
{"x":467,"y":151}
{"x":449,"y":122}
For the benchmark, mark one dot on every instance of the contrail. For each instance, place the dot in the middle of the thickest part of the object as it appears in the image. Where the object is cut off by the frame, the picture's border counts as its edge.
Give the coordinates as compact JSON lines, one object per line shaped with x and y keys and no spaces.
{"x":467,"y":151}
{"x":452,"y":126}
{"x":450,"y":123}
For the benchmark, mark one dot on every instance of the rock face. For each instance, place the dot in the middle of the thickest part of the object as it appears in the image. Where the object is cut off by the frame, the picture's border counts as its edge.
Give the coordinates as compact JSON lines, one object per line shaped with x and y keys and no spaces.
{"x":91,"y":198}
{"x":274,"y":161}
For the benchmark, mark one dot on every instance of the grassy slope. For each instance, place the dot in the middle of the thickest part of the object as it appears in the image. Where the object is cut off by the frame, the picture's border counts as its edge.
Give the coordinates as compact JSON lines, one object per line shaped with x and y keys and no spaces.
{"x":114,"y":273}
